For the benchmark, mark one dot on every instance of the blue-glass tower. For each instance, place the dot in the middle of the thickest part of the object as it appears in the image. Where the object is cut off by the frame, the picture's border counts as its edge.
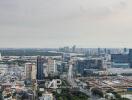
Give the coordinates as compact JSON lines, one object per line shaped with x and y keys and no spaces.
{"x":40,"y":68}
{"x":130,"y":57}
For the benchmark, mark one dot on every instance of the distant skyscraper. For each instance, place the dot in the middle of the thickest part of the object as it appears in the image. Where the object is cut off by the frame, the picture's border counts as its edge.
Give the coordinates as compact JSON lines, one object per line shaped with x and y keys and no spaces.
{"x":130,"y":57}
{"x":87,"y":64}
{"x":74,"y":48}
{"x":40,"y":68}
{"x":105,"y":50}
{"x":99,"y":51}
{"x":0,"y":57}
{"x":125,"y":50}
{"x":120,"y":58}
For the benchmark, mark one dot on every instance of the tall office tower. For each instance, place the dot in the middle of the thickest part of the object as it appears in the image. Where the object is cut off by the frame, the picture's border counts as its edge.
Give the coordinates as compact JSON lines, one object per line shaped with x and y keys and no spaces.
{"x":88,"y":65}
{"x":120,"y":58}
{"x":52,"y":68}
{"x":105,"y":50}
{"x":130,"y":57}
{"x":30,"y":71}
{"x":99,"y":51}
{"x":33,"y":74}
{"x":125,"y":50}
{"x":74,"y":48}
{"x":40,"y":68}
{"x":0,"y":57}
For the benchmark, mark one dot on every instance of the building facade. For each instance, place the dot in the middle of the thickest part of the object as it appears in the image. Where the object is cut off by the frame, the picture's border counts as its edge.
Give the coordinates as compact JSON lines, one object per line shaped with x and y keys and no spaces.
{"x":120,"y":58}
{"x":52,"y":67}
{"x":130,"y":57}
{"x":40,"y":68}
{"x":30,"y":71}
{"x":89,"y":64}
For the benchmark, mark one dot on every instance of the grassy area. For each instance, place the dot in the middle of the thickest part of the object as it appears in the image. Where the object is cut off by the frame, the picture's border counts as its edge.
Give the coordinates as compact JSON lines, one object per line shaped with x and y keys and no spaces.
{"x":67,"y":95}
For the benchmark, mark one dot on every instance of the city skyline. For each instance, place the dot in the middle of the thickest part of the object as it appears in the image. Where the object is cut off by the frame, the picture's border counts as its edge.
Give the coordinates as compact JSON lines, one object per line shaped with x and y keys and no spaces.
{"x":56,"y":23}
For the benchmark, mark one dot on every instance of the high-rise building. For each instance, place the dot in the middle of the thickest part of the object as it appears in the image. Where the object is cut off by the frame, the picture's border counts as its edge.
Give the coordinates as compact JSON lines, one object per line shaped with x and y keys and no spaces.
{"x":33,"y":74}
{"x":130,"y":57}
{"x":0,"y":57}
{"x":66,"y":57}
{"x":99,"y":51}
{"x":52,"y":68}
{"x":88,"y":64}
{"x":120,"y":58}
{"x":74,"y":48}
{"x":125,"y":50}
{"x":40,"y":68}
{"x":30,"y":71}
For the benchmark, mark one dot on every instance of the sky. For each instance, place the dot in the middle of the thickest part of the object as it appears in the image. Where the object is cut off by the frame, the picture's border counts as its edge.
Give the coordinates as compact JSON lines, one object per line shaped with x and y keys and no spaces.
{"x":57,"y":23}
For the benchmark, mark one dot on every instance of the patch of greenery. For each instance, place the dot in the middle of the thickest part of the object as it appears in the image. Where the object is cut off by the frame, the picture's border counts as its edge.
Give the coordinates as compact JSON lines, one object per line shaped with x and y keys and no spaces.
{"x":27,"y":52}
{"x":117,"y":95}
{"x":67,"y":95}
{"x":96,"y":91}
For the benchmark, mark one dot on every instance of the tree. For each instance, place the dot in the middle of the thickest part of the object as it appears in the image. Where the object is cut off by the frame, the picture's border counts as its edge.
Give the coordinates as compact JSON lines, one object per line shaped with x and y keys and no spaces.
{"x":60,"y":98}
{"x":1,"y":97}
{"x":96,"y":91}
{"x":124,"y":98}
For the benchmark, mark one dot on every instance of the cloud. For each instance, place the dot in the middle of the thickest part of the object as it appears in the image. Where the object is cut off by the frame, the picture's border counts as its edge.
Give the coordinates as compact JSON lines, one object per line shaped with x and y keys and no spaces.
{"x":42,"y":12}
{"x":101,"y":10}
{"x":63,"y":20}
{"x":57,"y":9}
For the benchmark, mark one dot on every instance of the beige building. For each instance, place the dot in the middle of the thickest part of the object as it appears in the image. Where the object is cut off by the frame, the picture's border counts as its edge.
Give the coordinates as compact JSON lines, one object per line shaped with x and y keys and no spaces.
{"x":30,"y":71}
{"x":51,"y":67}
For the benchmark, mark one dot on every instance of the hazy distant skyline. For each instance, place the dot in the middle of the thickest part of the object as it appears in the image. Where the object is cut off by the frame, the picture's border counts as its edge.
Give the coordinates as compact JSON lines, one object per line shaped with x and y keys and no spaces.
{"x":57,"y":23}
